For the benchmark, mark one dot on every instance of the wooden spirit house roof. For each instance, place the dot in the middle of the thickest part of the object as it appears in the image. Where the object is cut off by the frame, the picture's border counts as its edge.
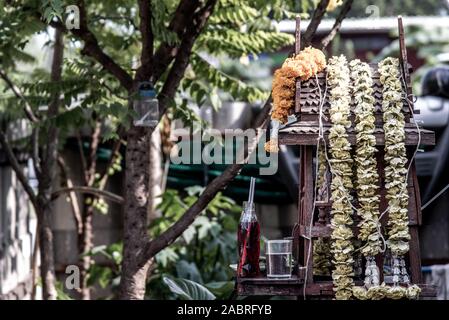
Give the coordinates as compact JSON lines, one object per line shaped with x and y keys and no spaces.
{"x":307,"y":102}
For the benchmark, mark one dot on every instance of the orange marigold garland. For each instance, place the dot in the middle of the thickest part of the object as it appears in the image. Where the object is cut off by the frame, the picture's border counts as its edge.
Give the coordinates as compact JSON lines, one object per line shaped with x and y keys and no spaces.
{"x":304,"y":65}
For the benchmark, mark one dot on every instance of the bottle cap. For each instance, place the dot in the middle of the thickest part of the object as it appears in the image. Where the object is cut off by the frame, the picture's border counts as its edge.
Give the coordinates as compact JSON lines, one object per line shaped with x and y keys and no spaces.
{"x":148,"y":93}
{"x":146,"y":89}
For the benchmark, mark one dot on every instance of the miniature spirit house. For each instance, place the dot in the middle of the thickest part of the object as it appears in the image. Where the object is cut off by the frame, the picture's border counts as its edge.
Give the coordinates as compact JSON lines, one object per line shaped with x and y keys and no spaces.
{"x":304,"y":133}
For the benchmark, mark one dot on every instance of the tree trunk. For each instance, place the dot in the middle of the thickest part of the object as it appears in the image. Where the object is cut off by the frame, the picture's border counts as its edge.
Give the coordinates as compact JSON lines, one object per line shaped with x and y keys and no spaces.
{"x":47,"y":176}
{"x":85,"y":239}
{"x":134,"y":269}
{"x":155,"y":179}
{"x":85,"y":244}
{"x":47,"y":264}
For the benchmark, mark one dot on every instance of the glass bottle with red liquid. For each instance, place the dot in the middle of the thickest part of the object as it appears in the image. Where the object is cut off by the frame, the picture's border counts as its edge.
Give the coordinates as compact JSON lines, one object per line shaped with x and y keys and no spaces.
{"x":248,"y":237}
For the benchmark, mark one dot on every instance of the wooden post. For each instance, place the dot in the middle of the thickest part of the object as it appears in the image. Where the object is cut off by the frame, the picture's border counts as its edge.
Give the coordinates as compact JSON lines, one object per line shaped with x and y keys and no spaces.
{"x":415,"y":251}
{"x":297,"y":50}
{"x":298,"y":35}
{"x":307,"y":208}
{"x":299,"y":241}
{"x":404,"y":62}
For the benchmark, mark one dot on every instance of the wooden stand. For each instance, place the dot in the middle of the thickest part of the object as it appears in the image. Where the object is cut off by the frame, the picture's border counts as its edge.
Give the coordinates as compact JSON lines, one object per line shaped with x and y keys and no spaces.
{"x":304,"y":133}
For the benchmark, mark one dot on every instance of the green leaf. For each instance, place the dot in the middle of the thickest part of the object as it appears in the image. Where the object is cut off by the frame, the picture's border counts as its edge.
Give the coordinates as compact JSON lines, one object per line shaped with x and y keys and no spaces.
{"x":221,"y":289}
{"x":60,"y":294}
{"x":217,"y":79}
{"x":204,"y":225}
{"x":215,"y":100}
{"x":189,"y":234}
{"x":166,"y":256}
{"x":188,"y":290}
{"x":194,"y":190}
{"x":100,"y":274}
{"x":188,"y":270}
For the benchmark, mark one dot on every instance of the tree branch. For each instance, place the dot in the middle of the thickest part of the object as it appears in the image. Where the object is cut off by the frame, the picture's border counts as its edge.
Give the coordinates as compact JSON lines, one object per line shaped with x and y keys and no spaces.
{"x":18,"y":93}
{"x":336,"y":27}
{"x":167,"y":52}
{"x":146,"y":58}
{"x":73,"y":199}
{"x":315,"y":21}
{"x":79,"y":141}
{"x":89,"y":190}
{"x":182,"y":58}
{"x":219,"y":183}
{"x":93,"y":49}
{"x":115,"y":150}
{"x":17,"y":169}
{"x":92,"y":163}
{"x":35,"y":151}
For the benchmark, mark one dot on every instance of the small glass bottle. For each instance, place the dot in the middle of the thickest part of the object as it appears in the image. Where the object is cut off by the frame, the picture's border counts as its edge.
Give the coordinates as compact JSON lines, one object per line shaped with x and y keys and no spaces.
{"x":248,"y":242}
{"x":146,"y":106}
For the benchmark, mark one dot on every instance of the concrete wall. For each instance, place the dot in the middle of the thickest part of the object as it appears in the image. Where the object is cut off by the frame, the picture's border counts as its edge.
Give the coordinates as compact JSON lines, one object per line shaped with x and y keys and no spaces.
{"x":17,"y":235}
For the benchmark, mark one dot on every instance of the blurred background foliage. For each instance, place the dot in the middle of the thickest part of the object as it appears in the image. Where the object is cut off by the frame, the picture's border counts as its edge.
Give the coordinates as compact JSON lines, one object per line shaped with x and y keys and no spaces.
{"x":203,"y":254}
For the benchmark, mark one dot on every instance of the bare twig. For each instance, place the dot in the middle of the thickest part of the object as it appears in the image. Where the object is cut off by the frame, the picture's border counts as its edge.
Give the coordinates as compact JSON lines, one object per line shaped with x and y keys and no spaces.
{"x":89,"y":190}
{"x":337,"y":24}
{"x":92,"y":163}
{"x":35,"y":154}
{"x":18,"y":93}
{"x":182,"y":58}
{"x":115,"y":150}
{"x":315,"y":21}
{"x":79,"y":141}
{"x":167,"y":52}
{"x":93,"y":49}
{"x":73,"y":199}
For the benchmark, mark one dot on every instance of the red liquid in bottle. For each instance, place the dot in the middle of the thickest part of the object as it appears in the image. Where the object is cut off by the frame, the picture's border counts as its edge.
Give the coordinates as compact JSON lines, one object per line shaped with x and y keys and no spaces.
{"x":249,"y":245}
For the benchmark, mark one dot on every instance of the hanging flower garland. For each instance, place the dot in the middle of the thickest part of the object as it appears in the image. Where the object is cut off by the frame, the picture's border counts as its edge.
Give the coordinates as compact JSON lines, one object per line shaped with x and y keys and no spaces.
{"x":395,"y":169}
{"x":366,"y":168}
{"x":395,"y":156}
{"x":396,"y":186}
{"x":304,"y":65}
{"x":341,"y":163}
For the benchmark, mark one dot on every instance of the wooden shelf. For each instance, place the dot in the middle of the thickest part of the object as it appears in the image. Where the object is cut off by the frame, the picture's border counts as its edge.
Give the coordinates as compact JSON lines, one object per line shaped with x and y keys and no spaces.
{"x":263,"y":286}
{"x":306,"y":133}
{"x":295,"y":287}
{"x":270,"y":281}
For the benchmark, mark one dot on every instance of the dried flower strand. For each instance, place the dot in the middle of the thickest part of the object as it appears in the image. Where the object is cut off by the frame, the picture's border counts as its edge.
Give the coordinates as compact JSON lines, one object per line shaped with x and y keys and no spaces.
{"x":341,"y":163}
{"x":395,"y":157}
{"x":304,"y":65}
{"x":367,"y":178}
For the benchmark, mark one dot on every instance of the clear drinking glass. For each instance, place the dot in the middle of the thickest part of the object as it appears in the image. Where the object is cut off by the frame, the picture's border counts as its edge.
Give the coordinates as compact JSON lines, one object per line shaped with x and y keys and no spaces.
{"x":279,"y":258}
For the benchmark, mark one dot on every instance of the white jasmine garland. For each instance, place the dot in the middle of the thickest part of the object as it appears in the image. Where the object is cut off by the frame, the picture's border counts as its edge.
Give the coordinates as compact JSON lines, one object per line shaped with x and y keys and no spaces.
{"x":395,"y":157}
{"x":367,"y":179}
{"x":341,"y":163}
{"x":395,"y":184}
